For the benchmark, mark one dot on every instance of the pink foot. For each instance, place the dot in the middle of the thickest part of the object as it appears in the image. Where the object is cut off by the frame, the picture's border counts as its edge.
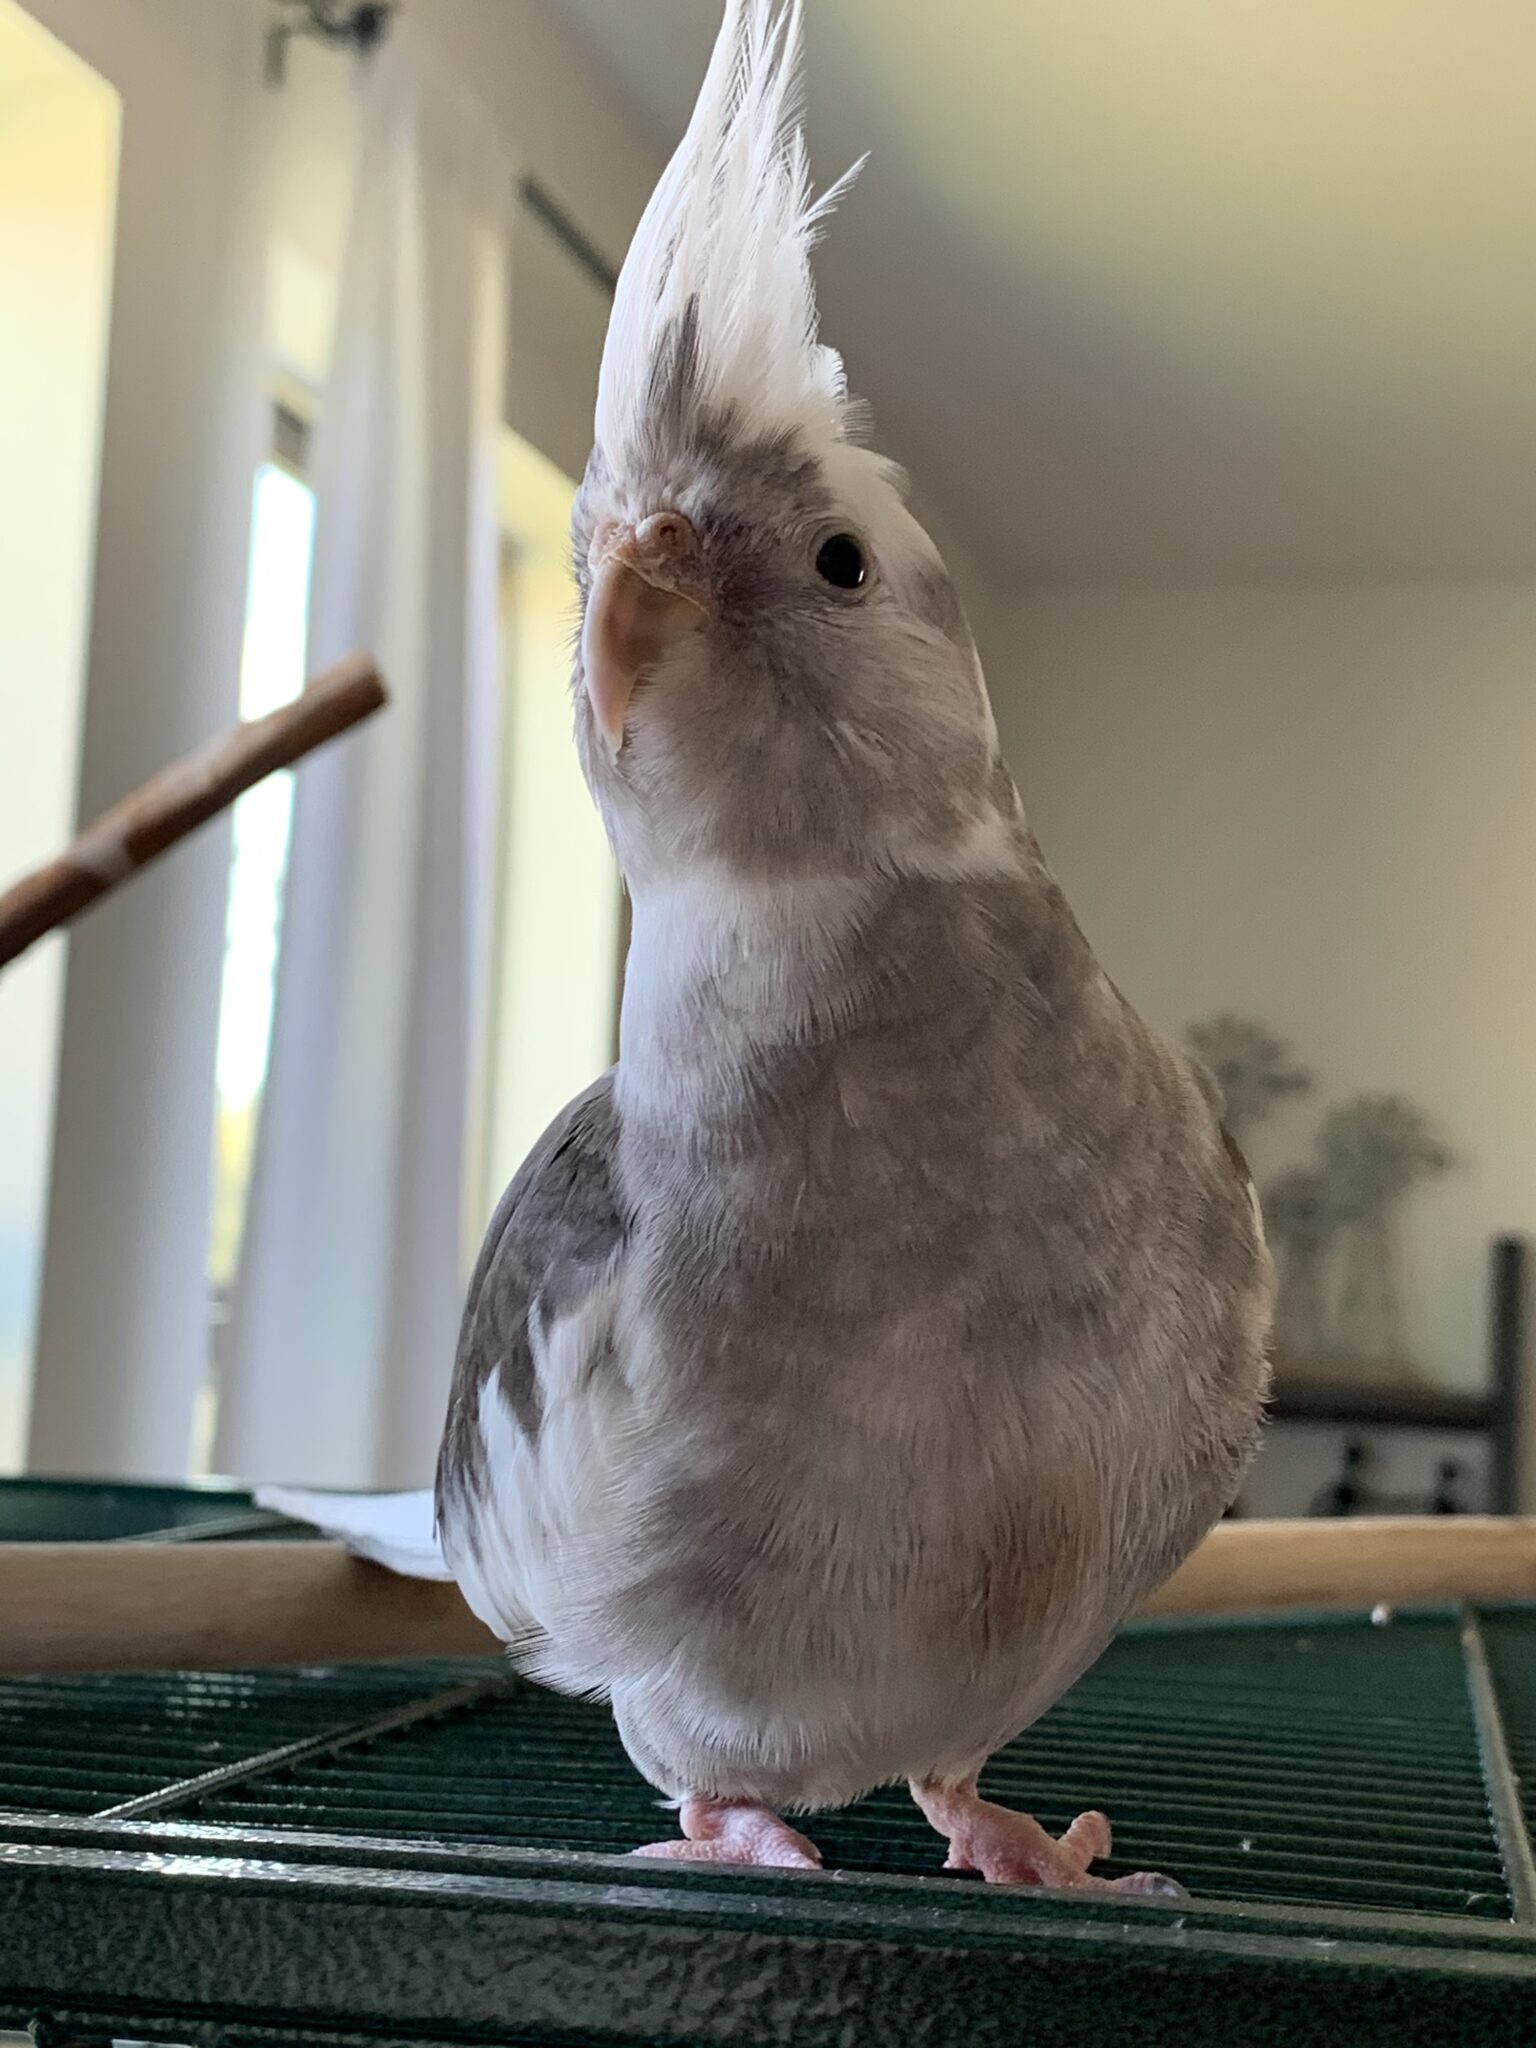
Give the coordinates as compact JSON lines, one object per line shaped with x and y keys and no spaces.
{"x":1010,"y":1848}
{"x":718,"y":1831}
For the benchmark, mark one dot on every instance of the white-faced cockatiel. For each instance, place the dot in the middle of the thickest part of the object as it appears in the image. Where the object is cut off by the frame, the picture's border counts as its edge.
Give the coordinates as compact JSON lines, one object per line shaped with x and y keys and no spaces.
{"x":856,"y":1353}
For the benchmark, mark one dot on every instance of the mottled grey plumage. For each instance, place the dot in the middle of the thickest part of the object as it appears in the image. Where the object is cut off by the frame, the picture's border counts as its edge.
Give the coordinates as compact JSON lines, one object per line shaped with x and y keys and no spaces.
{"x":844,"y":1366}
{"x":553,"y":1231}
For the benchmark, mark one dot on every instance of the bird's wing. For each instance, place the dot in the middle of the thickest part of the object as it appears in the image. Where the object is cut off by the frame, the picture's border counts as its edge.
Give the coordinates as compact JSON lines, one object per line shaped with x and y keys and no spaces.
{"x":535,"y":1386}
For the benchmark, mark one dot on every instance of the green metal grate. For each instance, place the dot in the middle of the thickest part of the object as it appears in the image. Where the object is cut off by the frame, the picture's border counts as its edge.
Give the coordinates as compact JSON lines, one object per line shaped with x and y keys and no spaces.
{"x":1334,"y":1765}
{"x":429,"y":1852}
{"x":1511,"y":1651}
{"x":1329,"y":1765}
{"x":130,"y":1510}
{"x":82,"y":1746}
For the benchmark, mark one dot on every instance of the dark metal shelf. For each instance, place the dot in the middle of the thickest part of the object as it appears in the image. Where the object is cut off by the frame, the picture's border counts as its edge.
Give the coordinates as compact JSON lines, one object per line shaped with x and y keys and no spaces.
{"x":1305,"y":1400}
{"x":1329,"y":1396}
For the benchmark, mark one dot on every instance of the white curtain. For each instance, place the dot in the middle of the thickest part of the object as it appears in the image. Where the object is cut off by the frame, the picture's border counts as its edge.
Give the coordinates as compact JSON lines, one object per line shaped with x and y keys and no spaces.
{"x":347,"y":1302}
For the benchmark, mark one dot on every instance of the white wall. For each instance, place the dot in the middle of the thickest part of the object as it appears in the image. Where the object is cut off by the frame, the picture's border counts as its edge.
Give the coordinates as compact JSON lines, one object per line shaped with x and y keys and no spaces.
{"x":1316,"y":806}
{"x":58,"y":173}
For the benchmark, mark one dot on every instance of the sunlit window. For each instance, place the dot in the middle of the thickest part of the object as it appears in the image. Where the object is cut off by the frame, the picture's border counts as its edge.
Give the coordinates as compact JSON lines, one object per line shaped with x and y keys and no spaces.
{"x":271,"y":673}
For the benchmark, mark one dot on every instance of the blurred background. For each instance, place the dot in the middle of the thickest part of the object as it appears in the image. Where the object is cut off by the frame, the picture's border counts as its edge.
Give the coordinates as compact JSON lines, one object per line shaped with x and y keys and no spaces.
{"x":1207,"y":331}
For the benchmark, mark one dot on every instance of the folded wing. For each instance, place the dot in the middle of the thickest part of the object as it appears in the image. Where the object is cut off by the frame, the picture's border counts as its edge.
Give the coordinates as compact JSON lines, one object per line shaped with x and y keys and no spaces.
{"x":538,"y":1394}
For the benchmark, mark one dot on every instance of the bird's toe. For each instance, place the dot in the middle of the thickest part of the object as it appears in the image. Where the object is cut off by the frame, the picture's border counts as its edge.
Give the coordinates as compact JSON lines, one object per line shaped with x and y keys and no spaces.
{"x":717,"y":1831}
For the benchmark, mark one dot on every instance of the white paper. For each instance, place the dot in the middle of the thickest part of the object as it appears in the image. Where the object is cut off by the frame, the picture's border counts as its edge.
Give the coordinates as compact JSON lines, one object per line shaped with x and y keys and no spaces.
{"x":391,"y":1529}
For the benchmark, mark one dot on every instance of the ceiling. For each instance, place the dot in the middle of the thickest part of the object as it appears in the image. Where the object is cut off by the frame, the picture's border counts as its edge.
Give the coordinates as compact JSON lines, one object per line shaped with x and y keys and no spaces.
{"x":1176,"y":289}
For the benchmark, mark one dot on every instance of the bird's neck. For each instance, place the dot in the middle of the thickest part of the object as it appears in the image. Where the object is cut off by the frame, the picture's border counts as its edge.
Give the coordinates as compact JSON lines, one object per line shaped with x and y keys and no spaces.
{"x":715,"y":956}
{"x":728,"y":972}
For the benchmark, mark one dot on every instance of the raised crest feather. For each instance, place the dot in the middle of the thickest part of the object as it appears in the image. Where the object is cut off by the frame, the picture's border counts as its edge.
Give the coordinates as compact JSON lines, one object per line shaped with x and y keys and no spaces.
{"x":719,"y":268}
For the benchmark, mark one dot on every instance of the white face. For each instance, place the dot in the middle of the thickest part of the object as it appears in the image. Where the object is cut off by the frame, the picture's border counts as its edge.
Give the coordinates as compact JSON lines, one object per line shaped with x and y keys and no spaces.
{"x":774,"y":669}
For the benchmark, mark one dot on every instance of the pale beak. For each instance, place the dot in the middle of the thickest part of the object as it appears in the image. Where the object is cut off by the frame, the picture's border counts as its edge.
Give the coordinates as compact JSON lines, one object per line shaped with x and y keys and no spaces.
{"x":647,"y":594}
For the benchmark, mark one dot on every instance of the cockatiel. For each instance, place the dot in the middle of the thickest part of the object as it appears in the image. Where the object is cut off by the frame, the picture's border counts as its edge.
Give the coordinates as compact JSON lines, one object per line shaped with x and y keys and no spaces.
{"x":851,"y":1358}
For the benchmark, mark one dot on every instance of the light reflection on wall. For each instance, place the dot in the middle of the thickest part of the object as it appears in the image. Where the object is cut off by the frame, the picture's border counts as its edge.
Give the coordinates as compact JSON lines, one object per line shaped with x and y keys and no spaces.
{"x":555,"y":959}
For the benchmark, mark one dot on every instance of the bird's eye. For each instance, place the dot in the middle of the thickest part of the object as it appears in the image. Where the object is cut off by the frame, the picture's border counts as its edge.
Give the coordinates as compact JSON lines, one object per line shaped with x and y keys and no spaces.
{"x":840,"y":562}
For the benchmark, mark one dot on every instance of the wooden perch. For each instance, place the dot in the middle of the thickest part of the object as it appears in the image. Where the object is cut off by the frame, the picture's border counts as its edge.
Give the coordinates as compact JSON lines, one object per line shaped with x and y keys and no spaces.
{"x":218,"y":1607}
{"x":179,"y":799}
{"x":231,"y":1606}
{"x":1354,"y":1563}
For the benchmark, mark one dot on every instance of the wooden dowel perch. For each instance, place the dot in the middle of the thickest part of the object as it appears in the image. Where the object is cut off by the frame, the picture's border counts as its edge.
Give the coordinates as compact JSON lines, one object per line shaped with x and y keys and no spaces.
{"x":179,"y":799}
{"x":230,"y":1606}
{"x":1354,"y":1564}
{"x":218,"y":1607}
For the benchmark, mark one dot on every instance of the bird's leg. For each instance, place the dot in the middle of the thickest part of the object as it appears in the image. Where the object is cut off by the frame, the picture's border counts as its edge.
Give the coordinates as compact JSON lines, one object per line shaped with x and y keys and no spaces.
{"x":1010,"y":1848}
{"x":730,"y":1831}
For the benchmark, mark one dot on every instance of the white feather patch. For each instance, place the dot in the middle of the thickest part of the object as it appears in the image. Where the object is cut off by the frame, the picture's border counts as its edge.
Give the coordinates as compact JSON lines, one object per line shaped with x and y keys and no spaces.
{"x":730,"y":228}
{"x":545,"y":1500}
{"x":985,"y":848}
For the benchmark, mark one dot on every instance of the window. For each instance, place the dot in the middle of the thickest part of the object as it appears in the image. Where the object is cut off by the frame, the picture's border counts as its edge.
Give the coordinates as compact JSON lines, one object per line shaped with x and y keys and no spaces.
{"x":271,"y":673}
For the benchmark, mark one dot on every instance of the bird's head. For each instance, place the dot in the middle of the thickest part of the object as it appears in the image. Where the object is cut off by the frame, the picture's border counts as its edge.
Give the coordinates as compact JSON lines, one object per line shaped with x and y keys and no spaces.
{"x":773,"y":671}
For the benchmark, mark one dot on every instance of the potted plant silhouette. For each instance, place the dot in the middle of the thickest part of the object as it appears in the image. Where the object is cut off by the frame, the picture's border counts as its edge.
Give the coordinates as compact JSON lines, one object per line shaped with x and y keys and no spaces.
{"x":1301,"y":1223}
{"x":1374,"y":1149}
{"x":1253,"y":1068}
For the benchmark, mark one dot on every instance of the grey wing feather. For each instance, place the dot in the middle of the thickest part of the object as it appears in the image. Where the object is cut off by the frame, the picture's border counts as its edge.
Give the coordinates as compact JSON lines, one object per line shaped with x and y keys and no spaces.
{"x":554,"y":1238}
